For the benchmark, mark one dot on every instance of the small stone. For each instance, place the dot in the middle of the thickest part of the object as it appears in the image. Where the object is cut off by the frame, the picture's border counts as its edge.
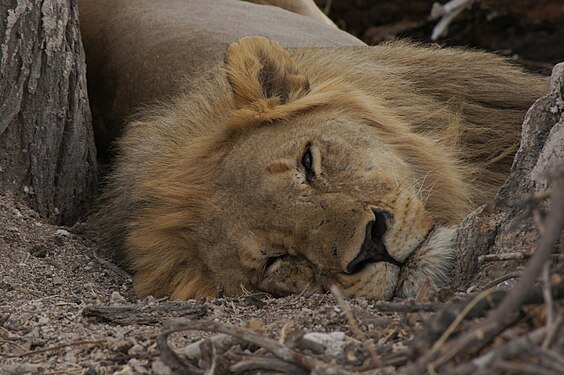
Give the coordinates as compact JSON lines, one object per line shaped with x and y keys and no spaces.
{"x":91,"y":370}
{"x":125,"y":370}
{"x":255,"y":325}
{"x":57,"y":280}
{"x":121,"y":345}
{"x":333,"y":342}
{"x":399,"y":347}
{"x":117,"y":299}
{"x":32,"y":335}
{"x":136,"y":350}
{"x":159,"y":368}
{"x":29,"y":190}
{"x":62,"y":233}
{"x":70,"y":357}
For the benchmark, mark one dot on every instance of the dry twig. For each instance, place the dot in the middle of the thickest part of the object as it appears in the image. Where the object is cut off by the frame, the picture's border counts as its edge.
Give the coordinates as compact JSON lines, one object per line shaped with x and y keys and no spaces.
{"x":52,"y":348}
{"x":256,"y":363}
{"x":355,"y":328}
{"x":408,"y":306}
{"x":501,"y":257}
{"x":510,"y":349}
{"x":447,"y":13}
{"x":145,"y":314}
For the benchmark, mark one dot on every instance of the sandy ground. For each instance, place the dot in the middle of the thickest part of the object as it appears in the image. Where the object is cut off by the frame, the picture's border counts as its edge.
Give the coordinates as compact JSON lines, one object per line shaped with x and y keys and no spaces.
{"x":64,"y":310}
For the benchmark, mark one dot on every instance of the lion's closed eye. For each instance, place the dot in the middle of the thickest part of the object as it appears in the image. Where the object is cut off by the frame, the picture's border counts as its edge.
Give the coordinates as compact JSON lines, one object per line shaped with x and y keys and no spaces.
{"x":310,"y":162}
{"x":307,"y":164}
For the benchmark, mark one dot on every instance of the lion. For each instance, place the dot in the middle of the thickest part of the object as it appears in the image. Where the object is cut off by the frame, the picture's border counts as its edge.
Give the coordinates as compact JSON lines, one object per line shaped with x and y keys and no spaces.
{"x":259,"y":150}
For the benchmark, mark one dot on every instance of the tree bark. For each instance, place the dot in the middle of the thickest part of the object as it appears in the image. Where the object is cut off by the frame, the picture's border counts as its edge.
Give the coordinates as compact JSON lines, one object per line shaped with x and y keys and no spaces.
{"x":513,"y":222}
{"x":47,"y":153}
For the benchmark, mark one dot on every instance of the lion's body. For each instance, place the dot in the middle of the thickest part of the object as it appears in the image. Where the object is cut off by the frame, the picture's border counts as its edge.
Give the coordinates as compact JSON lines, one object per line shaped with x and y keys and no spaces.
{"x":207,"y":188}
{"x":139,"y":52}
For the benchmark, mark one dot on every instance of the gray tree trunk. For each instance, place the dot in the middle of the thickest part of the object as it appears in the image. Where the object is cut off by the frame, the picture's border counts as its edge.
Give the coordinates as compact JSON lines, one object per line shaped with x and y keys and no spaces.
{"x":508,"y":224}
{"x":47,"y":154}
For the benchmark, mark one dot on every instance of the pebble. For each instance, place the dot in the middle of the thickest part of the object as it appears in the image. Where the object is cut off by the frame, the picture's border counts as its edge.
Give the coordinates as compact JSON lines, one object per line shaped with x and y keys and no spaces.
{"x":70,"y":357}
{"x":62,"y":233}
{"x":255,"y":325}
{"x":159,"y":368}
{"x":136,"y":350}
{"x":23,"y":368}
{"x":117,"y":299}
{"x":125,"y":370}
{"x":33,"y":335}
{"x":333,"y":342}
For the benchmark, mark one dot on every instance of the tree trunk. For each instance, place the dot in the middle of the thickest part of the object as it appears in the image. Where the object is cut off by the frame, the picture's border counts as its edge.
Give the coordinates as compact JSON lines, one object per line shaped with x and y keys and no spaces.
{"x":513,"y":223}
{"x":47,"y":153}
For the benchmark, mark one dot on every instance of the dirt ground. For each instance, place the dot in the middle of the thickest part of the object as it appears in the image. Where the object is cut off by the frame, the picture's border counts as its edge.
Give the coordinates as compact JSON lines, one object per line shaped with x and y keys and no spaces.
{"x":63,"y":310}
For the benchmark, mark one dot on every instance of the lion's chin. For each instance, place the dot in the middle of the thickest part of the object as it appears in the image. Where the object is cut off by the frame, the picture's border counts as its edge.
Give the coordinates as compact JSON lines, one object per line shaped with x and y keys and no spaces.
{"x":376,"y":280}
{"x":432,"y":261}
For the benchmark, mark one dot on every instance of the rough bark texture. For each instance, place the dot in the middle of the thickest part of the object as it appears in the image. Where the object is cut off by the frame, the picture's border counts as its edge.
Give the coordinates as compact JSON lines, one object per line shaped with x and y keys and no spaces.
{"x":47,"y":153}
{"x":508,"y":224}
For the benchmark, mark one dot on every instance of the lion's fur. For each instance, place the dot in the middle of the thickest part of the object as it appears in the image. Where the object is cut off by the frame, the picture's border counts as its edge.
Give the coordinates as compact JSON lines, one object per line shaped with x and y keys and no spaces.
{"x":184,"y":200}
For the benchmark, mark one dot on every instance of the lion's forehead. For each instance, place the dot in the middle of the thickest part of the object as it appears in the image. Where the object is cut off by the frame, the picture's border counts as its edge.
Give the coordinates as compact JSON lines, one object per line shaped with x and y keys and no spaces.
{"x":349,"y":149}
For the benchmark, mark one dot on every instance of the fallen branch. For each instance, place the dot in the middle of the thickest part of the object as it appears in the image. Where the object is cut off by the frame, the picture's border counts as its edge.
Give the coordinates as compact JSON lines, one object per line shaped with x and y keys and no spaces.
{"x":256,"y":363}
{"x":500,"y":318}
{"x":407,"y":307}
{"x":193,"y":351}
{"x":447,"y":13}
{"x":510,"y":349}
{"x":440,"y":322}
{"x":501,"y":257}
{"x":499,"y":280}
{"x":145,"y":314}
{"x":52,"y":348}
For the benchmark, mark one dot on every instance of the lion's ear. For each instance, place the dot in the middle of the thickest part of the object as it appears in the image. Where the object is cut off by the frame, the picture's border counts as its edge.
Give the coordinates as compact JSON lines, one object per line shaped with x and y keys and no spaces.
{"x":259,"y":69}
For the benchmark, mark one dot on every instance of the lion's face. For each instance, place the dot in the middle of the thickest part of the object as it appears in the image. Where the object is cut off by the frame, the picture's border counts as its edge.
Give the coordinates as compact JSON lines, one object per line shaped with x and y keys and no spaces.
{"x":295,"y":186}
{"x":318,"y":200}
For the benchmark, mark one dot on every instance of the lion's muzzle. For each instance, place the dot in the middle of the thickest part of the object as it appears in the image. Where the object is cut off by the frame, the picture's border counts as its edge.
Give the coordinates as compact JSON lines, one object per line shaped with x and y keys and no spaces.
{"x":373,"y":248}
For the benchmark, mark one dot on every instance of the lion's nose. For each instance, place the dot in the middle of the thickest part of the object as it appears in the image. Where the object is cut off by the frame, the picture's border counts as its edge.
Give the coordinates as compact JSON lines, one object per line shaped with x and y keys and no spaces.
{"x":373,"y":248}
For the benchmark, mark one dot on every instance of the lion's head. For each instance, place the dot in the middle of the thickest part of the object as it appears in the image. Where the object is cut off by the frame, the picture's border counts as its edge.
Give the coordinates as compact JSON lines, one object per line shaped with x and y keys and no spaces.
{"x":265,"y":179}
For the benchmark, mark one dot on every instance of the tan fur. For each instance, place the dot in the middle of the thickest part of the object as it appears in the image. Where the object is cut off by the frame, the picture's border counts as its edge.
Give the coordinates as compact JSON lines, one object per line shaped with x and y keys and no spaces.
{"x":304,"y":7}
{"x":209,"y":186}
